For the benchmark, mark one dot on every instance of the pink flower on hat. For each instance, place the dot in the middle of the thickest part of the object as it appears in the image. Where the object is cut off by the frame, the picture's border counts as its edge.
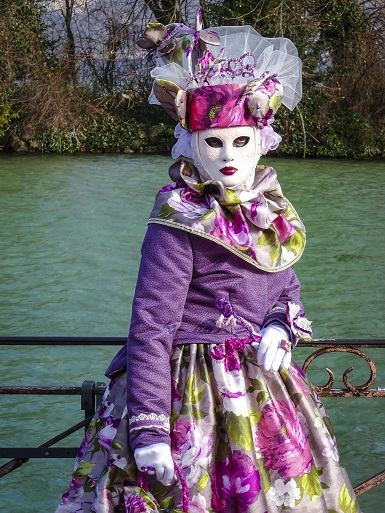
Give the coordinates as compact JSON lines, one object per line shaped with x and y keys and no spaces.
{"x":219,"y":106}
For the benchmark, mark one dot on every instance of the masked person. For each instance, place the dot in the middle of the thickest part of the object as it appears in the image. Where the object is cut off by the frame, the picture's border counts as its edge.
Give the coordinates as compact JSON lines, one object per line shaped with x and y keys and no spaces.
{"x":205,"y":383}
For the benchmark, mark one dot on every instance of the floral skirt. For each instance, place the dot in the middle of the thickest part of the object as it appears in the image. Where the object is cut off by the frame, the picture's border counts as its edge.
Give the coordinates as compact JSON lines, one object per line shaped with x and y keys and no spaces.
{"x":246,"y":440}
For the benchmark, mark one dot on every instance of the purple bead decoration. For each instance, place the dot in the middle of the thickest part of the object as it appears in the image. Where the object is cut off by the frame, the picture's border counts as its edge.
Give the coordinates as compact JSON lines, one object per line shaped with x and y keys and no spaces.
{"x":143,"y":483}
{"x":143,"y":480}
{"x":185,"y":490}
{"x":224,"y":307}
{"x":146,"y":469}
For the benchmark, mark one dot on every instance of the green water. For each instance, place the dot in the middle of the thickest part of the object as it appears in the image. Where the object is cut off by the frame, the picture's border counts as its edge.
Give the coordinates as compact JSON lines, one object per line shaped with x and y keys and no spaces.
{"x":70,"y":233}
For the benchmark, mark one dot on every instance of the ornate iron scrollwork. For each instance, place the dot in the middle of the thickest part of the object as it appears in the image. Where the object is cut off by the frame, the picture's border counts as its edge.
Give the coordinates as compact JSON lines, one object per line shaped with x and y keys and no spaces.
{"x":355,"y":390}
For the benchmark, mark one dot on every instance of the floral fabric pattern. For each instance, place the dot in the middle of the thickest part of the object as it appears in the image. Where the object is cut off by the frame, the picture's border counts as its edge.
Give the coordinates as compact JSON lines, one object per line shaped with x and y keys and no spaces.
{"x":246,"y":440}
{"x":282,"y":441}
{"x":236,"y":483}
{"x":219,"y":106}
{"x":225,"y":105}
{"x":259,"y":225}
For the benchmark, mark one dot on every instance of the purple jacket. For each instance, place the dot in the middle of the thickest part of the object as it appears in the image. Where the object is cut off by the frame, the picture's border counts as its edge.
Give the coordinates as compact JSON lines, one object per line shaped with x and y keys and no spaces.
{"x":181,"y":276}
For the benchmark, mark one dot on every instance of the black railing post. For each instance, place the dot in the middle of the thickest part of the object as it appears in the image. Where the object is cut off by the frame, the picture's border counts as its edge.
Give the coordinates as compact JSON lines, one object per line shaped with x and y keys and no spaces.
{"x":88,"y":399}
{"x":98,"y":396}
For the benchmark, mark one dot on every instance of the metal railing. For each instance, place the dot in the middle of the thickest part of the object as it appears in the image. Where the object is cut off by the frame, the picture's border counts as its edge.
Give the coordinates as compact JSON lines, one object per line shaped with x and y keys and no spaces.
{"x":91,"y":392}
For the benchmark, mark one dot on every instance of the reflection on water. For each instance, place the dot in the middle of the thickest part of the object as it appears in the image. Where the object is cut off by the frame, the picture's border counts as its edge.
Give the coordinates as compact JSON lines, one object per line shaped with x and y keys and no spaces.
{"x":71,"y":229}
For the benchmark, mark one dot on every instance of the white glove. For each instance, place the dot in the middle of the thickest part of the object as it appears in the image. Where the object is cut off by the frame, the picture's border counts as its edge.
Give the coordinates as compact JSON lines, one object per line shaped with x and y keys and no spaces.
{"x":157,"y":459}
{"x":270,"y":354}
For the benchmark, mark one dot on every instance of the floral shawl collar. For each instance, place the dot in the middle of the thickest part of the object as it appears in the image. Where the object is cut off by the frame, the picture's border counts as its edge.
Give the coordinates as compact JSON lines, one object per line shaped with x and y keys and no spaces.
{"x":259,"y":224}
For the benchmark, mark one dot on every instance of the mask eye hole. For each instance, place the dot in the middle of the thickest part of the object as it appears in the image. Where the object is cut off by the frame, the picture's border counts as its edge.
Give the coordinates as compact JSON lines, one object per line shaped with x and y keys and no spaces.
{"x":239,"y":142}
{"x":214,"y":142}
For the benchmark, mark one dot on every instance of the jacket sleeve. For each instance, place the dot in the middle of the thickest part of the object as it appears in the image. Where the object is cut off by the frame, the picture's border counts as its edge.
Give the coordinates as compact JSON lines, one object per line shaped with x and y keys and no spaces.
{"x":163,"y":282}
{"x":288,"y":310}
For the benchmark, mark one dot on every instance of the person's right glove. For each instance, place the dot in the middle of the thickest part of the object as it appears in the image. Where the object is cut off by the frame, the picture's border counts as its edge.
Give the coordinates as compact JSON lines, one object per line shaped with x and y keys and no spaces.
{"x":270,"y":353}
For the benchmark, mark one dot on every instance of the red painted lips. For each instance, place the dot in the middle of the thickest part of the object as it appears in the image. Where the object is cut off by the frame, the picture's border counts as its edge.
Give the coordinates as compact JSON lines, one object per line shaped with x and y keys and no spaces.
{"x":228,"y":170}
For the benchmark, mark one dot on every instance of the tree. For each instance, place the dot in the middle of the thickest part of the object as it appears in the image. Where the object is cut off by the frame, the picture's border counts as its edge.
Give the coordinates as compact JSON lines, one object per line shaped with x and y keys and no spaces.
{"x":69,"y":68}
{"x":24,"y":53}
{"x":341,"y":46}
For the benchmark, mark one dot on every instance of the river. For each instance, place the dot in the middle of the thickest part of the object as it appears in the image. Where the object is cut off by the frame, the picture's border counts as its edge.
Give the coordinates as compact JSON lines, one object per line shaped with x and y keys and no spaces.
{"x":71,"y":228}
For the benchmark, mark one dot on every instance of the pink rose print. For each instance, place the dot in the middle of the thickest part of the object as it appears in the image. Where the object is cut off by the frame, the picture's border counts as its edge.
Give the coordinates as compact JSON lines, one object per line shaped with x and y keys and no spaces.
{"x":232,"y":395}
{"x":236,"y":232}
{"x":299,"y":378}
{"x":259,"y":212}
{"x":190,"y":449}
{"x":187,"y":195}
{"x":169,"y":187}
{"x":197,"y":504}
{"x":83,"y":447}
{"x":221,"y":230}
{"x":236,"y":484}
{"x":175,"y":395}
{"x":189,"y":203}
{"x":283,"y":228}
{"x":259,"y":100}
{"x":219,"y":106}
{"x":281,"y":440}
{"x":232,"y":113}
{"x":74,"y":494}
{"x":103,"y":502}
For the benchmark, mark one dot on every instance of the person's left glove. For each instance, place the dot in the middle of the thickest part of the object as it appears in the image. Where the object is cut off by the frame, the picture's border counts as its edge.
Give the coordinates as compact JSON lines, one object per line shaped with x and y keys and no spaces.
{"x":271,"y":353}
{"x":156,"y":459}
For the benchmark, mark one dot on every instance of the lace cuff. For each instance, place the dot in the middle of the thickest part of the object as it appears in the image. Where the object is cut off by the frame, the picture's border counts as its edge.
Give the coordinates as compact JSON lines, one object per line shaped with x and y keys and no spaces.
{"x":149,"y":421}
{"x":292,"y":318}
{"x":299,"y":325}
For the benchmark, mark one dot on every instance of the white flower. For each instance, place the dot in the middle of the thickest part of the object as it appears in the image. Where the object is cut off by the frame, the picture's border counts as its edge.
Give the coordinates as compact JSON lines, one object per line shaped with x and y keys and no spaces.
{"x":331,"y":451}
{"x":193,"y":453}
{"x":286,"y":256}
{"x":197,"y":504}
{"x":182,"y":147}
{"x":118,"y":462}
{"x":319,"y":421}
{"x":106,"y":435}
{"x":232,"y":389}
{"x":292,"y":310}
{"x":300,"y":326}
{"x":285,"y":494}
{"x":108,"y":410}
{"x":198,"y":227}
{"x":103,"y":502}
{"x":189,"y":209}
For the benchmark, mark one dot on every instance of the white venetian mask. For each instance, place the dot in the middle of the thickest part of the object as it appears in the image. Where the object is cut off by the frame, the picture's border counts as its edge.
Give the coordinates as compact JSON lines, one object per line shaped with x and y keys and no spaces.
{"x":228,"y":155}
